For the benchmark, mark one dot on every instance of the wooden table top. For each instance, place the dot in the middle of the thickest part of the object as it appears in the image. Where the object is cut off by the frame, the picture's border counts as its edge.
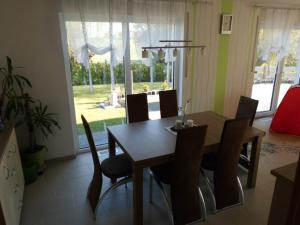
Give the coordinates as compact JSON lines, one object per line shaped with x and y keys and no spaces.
{"x":150,"y":143}
{"x":287,"y":172}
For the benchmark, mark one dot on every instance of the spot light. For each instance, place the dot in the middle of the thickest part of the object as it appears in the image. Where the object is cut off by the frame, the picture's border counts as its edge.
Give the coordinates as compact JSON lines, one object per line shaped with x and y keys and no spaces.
{"x":161,"y":53}
{"x":145,"y":53}
{"x":175,"y":52}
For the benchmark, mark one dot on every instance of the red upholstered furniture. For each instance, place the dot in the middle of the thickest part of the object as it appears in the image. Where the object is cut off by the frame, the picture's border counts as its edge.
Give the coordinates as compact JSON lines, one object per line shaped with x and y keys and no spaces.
{"x":287,"y":117}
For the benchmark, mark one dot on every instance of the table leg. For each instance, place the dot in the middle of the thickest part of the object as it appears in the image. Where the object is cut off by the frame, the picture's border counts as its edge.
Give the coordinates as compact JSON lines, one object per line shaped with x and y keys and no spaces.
{"x":137,"y":195}
{"x":254,"y":159}
{"x":111,"y":148}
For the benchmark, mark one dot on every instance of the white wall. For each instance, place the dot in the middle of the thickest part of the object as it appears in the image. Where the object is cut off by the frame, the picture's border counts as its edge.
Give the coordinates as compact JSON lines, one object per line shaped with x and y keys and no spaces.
{"x":240,"y":57}
{"x":30,"y":34}
{"x":200,"y":77}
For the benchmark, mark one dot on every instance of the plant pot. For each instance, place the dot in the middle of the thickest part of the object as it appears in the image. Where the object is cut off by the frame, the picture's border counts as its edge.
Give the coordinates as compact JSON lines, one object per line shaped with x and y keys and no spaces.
{"x":37,"y":157}
{"x":30,"y":171}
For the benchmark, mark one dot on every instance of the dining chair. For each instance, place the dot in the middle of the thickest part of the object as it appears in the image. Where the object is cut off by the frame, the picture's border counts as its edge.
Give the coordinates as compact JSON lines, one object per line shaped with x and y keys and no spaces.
{"x":137,"y":108}
{"x":115,"y":167}
{"x":246,"y":109}
{"x":168,"y":103}
{"x":182,"y":174}
{"x":226,"y":190}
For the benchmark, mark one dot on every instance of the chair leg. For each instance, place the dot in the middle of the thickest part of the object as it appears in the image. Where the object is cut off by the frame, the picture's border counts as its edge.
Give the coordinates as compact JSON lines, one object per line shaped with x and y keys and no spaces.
{"x":242,"y":196}
{"x":113,"y":187}
{"x":165,"y":198}
{"x":150,"y":187}
{"x":210,"y":189}
{"x":203,"y":205}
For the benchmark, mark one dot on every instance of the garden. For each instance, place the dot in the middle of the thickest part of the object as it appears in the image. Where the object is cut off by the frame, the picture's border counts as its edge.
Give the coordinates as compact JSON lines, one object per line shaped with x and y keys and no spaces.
{"x":89,"y":102}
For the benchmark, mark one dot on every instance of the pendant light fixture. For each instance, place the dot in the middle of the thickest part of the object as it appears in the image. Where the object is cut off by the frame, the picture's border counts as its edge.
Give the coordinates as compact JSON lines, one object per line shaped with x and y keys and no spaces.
{"x":168,"y":45}
{"x":145,"y":53}
{"x":161,"y":53}
{"x":175,"y":52}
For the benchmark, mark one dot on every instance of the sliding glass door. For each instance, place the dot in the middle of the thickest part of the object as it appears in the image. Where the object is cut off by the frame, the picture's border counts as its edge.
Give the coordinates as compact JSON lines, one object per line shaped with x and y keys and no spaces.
{"x":264,"y":83}
{"x":99,"y":86}
{"x":277,"y":64}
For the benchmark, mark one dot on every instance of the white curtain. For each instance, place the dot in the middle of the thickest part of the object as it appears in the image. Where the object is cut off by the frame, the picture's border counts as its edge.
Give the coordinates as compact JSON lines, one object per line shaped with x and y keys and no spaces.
{"x":94,"y":26}
{"x":278,"y":35}
{"x":276,"y":26}
{"x":100,"y":27}
{"x":154,"y":20}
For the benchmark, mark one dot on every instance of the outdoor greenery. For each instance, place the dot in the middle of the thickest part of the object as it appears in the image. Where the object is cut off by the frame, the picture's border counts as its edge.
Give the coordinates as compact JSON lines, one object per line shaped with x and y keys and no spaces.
{"x":100,"y":72}
{"x":87,"y":103}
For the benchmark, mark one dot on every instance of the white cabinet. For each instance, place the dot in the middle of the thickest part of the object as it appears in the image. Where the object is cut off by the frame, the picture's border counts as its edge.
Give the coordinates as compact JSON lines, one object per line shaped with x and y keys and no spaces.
{"x":11,"y":178}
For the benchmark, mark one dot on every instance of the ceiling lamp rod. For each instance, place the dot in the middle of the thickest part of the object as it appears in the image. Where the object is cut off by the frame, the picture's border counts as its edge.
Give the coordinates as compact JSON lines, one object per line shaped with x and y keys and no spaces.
{"x":168,"y":47}
{"x":175,"y":41}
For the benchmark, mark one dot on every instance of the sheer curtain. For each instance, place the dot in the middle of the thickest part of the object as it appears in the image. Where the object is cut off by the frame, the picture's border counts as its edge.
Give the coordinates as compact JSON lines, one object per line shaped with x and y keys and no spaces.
{"x":276,"y":25}
{"x":279,"y":28}
{"x":95,"y":27}
{"x":117,"y":29}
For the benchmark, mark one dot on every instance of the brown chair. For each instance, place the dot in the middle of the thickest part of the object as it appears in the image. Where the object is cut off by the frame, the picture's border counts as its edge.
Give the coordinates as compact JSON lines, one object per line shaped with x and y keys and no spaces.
{"x":187,"y":202}
{"x":115,"y":167}
{"x":168,"y":103}
{"x":246,"y":109}
{"x":137,"y":108}
{"x":226,"y":190}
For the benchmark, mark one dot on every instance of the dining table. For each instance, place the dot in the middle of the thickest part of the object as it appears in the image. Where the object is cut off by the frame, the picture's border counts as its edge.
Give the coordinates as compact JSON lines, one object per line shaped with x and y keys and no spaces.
{"x":150,"y":143}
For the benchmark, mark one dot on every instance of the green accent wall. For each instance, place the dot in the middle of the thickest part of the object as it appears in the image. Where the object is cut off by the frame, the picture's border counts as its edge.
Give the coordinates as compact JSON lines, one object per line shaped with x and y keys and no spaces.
{"x":222,"y":62}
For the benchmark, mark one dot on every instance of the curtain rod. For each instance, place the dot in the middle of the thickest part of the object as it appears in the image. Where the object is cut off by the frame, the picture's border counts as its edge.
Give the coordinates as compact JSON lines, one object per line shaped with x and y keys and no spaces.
{"x":210,"y":2}
{"x":166,"y":47}
{"x":295,"y":7}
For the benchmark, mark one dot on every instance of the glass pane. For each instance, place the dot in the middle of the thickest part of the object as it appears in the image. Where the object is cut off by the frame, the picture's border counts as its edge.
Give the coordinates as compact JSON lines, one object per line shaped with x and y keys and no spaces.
{"x":151,"y":74}
{"x":290,"y":75}
{"x":264,"y":81}
{"x":264,"y":78}
{"x":99,"y":95}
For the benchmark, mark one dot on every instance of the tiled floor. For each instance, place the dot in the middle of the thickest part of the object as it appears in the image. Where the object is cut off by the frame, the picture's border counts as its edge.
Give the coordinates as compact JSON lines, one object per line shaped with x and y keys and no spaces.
{"x":59,"y":196}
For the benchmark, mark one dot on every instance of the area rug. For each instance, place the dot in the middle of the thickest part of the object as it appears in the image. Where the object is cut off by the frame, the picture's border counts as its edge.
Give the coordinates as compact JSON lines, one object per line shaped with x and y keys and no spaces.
{"x":272,"y":148}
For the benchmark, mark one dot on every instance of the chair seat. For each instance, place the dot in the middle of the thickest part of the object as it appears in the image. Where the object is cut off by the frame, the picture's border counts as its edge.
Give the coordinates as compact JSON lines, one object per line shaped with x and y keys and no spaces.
{"x":163,"y":172}
{"x":117,"y":166}
{"x":209,"y":161}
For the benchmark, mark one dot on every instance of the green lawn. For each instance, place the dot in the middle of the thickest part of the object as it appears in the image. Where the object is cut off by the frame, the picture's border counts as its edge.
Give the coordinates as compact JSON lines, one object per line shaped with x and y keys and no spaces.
{"x":87,"y":103}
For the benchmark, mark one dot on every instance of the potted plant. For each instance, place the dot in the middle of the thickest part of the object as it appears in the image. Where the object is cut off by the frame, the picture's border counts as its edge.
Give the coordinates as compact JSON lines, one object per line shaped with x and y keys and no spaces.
{"x":38,"y":121}
{"x":12,"y":93}
{"x":165,"y":85}
{"x":146,"y":88}
{"x":18,"y":107}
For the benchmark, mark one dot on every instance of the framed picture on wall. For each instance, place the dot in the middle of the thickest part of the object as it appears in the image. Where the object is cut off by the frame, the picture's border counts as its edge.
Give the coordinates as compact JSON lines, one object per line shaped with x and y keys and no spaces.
{"x":226,"y":24}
